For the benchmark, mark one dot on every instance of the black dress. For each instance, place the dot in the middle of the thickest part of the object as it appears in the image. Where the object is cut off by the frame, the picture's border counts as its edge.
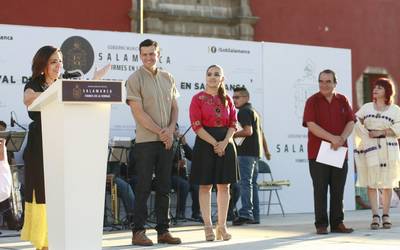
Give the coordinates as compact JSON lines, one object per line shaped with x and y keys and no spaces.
{"x":33,"y":153}
{"x":209,"y":168}
{"x":216,"y":118}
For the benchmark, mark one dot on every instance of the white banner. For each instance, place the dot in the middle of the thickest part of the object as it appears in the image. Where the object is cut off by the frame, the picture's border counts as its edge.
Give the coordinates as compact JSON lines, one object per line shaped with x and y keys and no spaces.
{"x":290,"y":77}
{"x":279,"y":77}
{"x":186,"y":58}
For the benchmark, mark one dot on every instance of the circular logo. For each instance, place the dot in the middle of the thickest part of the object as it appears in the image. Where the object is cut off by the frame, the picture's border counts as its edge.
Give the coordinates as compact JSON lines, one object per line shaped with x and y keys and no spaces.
{"x":77,"y":54}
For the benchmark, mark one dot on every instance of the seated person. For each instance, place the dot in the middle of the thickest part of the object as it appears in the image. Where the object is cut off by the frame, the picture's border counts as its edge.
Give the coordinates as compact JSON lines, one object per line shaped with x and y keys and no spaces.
{"x":10,"y":155}
{"x":235,"y":195}
{"x":131,"y":173}
{"x":361,"y":195}
{"x":124,"y":192}
{"x":179,"y":180}
{"x":194,"y":191}
{"x":362,"y":198}
{"x":193,"y":188}
{"x":397,"y":191}
{"x":5,"y":206}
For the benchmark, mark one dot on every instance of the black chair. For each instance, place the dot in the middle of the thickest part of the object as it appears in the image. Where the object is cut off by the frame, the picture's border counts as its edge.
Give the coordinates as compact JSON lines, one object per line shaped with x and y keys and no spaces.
{"x":269,"y":185}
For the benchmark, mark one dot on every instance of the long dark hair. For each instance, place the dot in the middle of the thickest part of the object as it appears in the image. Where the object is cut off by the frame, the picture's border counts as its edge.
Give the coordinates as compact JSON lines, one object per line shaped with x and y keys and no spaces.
{"x":40,"y":60}
{"x":221,"y":88}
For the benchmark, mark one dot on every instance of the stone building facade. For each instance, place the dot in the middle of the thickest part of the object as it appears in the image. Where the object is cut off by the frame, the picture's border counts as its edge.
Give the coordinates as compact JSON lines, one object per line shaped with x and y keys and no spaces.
{"x":231,"y":19}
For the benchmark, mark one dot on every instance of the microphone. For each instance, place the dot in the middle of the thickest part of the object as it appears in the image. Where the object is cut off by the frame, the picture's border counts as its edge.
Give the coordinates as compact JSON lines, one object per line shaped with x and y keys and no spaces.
{"x":12,"y":121}
{"x":72,"y":74}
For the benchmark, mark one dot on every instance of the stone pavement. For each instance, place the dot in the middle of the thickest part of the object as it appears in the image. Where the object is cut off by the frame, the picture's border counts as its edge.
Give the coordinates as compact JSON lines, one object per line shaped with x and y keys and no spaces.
{"x":294,"y":231}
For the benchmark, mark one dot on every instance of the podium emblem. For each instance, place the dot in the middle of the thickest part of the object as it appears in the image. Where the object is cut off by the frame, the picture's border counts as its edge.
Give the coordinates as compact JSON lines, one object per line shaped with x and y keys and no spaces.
{"x":77,"y":92}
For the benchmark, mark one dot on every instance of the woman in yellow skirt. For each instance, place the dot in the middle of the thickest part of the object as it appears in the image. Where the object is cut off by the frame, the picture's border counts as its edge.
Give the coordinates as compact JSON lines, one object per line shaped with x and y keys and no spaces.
{"x":46,"y":69}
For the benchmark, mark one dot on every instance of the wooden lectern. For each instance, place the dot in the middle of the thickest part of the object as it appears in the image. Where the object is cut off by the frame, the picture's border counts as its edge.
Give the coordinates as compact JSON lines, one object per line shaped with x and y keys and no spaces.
{"x":75,"y":126}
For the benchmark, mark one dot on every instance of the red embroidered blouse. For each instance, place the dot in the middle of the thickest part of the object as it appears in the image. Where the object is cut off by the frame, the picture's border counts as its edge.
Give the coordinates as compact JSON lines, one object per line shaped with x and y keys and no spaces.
{"x":207,"y":110}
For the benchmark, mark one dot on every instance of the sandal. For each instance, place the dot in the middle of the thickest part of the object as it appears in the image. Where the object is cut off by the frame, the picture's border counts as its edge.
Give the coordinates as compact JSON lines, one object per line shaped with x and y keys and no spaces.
{"x":209,"y":233}
{"x":375,"y":222}
{"x":386,"y":221}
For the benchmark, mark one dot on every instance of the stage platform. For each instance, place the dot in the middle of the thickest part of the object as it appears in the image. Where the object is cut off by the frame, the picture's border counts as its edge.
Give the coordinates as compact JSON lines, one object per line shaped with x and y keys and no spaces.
{"x":294,"y":231}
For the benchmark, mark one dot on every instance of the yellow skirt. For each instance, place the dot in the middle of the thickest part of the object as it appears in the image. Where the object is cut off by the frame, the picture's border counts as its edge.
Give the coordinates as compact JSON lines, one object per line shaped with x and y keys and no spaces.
{"x":35,"y":224}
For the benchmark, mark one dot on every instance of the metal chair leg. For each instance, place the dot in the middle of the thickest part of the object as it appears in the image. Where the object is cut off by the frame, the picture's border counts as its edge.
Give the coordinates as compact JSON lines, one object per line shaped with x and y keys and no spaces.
{"x":280,"y":203}
{"x":269,"y":201}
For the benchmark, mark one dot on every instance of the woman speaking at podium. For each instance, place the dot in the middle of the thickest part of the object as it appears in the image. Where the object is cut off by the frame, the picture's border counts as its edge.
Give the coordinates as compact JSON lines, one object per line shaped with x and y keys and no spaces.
{"x":47,"y":65}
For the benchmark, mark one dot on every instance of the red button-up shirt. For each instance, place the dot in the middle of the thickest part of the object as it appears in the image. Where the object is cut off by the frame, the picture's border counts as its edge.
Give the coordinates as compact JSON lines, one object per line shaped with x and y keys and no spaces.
{"x":332,"y":117}
{"x":207,"y":110}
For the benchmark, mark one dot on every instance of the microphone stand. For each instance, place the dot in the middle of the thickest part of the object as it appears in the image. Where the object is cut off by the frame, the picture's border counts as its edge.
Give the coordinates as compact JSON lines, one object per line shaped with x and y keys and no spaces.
{"x":19,"y":125}
{"x":13,"y":121}
{"x":180,"y":157}
{"x":180,"y":138}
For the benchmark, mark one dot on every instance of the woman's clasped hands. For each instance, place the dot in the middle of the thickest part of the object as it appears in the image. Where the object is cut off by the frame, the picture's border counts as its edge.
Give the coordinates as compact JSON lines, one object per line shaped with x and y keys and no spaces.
{"x":219,"y":147}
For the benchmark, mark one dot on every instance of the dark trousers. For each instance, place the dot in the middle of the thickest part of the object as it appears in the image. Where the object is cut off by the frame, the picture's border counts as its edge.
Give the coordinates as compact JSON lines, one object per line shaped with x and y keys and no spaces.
{"x":8,"y":215}
{"x":181,"y":187}
{"x":235,"y":195}
{"x":152,"y":157}
{"x":323,"y":176}
{"x":194,"y":190}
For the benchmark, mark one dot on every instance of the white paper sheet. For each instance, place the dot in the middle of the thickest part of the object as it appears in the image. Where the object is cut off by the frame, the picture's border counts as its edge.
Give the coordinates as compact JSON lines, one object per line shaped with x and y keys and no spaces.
{"x":239,"y":140}
{"x":331,"y":157}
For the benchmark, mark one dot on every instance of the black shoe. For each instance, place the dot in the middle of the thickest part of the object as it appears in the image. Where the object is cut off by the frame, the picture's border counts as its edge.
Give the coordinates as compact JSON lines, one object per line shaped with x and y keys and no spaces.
{"x":12,"y":222}
{"x":253,"y":222}
{"x":240,"y":221}
{"x":231,"y":217}
{"x":180,"y":219}
{"x":197,"y":217}
{"x":180,"y":216}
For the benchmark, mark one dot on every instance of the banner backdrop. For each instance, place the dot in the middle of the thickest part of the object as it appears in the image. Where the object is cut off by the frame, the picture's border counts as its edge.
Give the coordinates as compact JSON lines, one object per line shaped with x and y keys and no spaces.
{"x":279,"y":77}
{"x":290,"y":77}
{"x":186,"y":58}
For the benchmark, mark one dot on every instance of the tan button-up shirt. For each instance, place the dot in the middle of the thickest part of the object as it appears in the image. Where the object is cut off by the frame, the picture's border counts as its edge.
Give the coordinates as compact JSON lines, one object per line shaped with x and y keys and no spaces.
{"x":155,"y":93}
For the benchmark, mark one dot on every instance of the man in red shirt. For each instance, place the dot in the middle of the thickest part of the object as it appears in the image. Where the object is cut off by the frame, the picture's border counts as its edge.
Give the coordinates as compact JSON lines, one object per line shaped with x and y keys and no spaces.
{"x":329,"y":117}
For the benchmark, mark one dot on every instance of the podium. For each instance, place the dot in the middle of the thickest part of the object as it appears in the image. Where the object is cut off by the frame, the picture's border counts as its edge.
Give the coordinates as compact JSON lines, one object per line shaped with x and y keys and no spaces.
{"x":75,"y":129}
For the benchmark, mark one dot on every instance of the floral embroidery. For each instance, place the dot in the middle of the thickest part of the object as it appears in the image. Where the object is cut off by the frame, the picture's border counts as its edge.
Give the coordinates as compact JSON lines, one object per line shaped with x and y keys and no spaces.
{"x":202,"y":97}
{"x":211,"y":112}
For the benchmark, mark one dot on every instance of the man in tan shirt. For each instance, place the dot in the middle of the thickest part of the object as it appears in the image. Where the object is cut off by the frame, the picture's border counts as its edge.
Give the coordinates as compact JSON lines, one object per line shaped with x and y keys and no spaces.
{"x":151,"y":95}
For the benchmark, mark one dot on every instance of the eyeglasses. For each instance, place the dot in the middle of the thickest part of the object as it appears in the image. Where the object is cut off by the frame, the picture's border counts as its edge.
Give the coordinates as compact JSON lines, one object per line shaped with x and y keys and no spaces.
{"x":238,"y":96}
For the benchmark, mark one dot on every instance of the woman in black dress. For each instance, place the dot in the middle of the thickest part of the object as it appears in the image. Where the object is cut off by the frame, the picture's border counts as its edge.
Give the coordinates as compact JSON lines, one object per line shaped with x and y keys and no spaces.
{"x":46,"y":69}
{"x":213,"y":118}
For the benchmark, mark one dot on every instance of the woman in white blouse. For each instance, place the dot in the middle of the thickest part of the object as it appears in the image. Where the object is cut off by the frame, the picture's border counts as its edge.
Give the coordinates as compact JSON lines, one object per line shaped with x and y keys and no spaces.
{"x":376,"y":151}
